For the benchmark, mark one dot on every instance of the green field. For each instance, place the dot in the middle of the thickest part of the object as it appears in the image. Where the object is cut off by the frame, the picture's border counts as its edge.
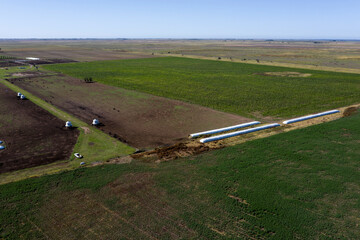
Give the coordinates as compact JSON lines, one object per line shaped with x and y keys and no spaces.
{"x":231,"y":87}
{"x":303,"y":184}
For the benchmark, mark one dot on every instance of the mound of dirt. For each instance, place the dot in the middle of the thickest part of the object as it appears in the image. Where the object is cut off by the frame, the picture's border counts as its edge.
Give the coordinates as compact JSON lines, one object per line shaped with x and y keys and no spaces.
{"x":285,"y":74}
{"x":350,"y":111}
{"x":177,"y":150}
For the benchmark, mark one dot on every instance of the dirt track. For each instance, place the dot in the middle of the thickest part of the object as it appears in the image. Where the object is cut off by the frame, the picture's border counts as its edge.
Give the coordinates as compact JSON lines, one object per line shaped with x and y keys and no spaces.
{"x":32,"y":136}
{"x":141,"y":120}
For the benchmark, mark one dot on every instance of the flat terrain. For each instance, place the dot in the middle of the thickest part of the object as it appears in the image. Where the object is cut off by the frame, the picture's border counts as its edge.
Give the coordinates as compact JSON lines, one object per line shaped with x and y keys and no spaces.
{"x":333,"y":54}
{"x":23,"y":62}
{"x":244,"y":89}
{"x":290,"y":184}
{"x":340,"y":55}
{"x":297,"y":185}
{"x":139,"y":119}
{"x":70,"y":50}
{"x":32,"y":136}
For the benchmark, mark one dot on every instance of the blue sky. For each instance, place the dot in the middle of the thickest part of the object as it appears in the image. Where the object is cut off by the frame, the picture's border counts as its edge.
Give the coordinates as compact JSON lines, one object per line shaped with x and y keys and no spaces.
{"x":311,"y":19}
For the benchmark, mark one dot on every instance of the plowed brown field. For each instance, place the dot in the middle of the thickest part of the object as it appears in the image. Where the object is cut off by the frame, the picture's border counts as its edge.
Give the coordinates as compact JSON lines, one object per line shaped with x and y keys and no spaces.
{"x":32,"y":135}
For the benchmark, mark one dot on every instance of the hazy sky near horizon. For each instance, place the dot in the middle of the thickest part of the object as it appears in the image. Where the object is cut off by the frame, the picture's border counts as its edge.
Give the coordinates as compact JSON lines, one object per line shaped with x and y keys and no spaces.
{"x":311,"y":19}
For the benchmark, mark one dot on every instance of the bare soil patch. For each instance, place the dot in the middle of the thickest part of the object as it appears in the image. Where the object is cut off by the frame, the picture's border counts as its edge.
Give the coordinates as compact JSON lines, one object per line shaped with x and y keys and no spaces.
{"x":141,"y":120}
{"x":33,"y":136}
{"x":350,"y":111}
{"x":27,"y":74}
{"x":86,"y":130}
{"x":178,"y":150}
{"x":285,"y":74}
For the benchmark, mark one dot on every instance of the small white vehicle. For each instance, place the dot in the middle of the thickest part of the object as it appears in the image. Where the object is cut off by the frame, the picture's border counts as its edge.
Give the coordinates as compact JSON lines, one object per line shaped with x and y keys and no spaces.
{"x":78,"y":155}
{"x":95,"y":122}
{"x":68,"y":124}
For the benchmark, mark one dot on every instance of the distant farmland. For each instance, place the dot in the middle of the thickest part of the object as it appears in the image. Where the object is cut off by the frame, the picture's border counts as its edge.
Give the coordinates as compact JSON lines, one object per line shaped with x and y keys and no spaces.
{"x":244,"y":89}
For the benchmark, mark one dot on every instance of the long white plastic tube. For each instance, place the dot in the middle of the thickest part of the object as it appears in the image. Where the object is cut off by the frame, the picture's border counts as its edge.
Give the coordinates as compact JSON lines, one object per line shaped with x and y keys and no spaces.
{"x":224,"y":129}
{"x":233,"y":134}
{"x":310,"y":116}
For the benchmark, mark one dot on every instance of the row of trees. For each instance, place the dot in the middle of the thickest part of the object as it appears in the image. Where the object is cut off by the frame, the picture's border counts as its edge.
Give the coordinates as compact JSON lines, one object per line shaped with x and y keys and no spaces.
{"x":6,"y":57}
{"x":88,"y":80}
{"x":257,"y":60}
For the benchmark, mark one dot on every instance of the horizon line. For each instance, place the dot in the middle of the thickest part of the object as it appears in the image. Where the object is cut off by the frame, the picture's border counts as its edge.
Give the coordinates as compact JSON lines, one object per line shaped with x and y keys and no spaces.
{"x":160,"y":38}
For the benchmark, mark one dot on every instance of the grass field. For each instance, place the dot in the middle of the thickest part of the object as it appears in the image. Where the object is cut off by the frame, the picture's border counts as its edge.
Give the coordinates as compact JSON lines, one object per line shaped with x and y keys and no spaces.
{"x":302,"y":184}
{"x":231,"y":87}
